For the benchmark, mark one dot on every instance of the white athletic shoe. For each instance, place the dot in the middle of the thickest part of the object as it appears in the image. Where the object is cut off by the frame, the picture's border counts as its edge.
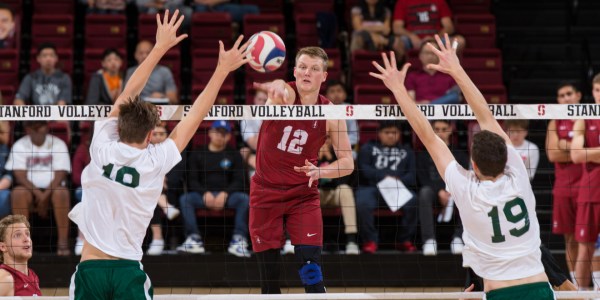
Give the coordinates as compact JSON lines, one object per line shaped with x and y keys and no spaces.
{"x":192,"y":245}
{"x":352,"y":249}
{"x":171,"y":212}
{"x":156,"y":247}
{"x":430,"y":247}
{"x":456,"y":246}
{"x":288,"y":248}
{"x":78,"y":246}
{"x":239,"y":246}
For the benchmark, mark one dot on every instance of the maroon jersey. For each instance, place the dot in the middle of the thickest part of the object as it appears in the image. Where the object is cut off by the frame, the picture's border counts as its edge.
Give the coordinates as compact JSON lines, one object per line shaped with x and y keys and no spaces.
{"x":25,"y":285}
{"x":590,"y":191}
{"x":284,"y":144}
{"x":566,"y":174}
{"x":422,"y":17}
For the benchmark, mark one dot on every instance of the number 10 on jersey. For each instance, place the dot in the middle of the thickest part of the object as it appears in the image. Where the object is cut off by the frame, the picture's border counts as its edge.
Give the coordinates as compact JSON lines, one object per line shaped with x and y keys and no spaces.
{"x":295,"y":144}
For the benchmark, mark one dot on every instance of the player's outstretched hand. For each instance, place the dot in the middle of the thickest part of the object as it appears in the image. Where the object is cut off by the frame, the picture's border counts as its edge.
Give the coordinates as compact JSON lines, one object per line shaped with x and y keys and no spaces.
{"x":166,"y":31}
{"x":233,"y":58}
{"x":275,"y":90}
{"x":448,"y":60}
{"x":310,"y":170}
{"x":389,"y":73}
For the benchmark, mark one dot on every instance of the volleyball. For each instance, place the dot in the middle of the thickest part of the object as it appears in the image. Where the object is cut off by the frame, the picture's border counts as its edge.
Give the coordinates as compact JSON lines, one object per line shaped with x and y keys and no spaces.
{"x":268,"y":51}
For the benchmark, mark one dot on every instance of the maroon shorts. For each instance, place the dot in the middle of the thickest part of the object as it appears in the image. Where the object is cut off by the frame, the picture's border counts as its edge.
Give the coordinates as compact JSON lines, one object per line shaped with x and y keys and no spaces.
{"x":298,"y":207}
{"x":588,"y":222}
{"x":564,"y":209}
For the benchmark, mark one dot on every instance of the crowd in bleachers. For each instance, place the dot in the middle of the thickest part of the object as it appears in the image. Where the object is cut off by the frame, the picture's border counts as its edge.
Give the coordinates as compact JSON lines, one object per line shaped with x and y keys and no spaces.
{"x":83,"y":52}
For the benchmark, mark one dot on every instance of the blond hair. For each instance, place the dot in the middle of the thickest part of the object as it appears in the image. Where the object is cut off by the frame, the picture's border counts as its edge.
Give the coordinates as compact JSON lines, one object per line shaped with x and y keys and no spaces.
{"x":314,"y":52}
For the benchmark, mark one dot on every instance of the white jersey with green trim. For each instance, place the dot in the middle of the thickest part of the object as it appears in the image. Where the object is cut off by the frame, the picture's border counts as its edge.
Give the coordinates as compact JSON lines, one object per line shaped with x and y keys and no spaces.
{"x":501,"y":229}
{"x":121,"y":186}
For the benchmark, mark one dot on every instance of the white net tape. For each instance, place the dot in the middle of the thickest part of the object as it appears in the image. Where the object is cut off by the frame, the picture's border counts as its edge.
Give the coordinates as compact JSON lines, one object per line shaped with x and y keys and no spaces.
{"x":309,"y":112}
{"x":341,"y":296}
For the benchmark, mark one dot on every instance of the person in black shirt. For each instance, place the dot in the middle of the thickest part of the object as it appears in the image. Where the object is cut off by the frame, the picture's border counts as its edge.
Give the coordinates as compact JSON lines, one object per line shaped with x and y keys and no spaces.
{"x":215,"y":181}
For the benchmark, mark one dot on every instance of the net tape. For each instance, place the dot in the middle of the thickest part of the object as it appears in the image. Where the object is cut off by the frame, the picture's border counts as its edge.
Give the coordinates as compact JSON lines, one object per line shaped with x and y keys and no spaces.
{"x":308,"y":112}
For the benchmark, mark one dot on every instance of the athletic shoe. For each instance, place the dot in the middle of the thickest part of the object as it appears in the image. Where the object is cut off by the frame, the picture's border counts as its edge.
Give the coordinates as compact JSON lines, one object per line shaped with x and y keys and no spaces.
{"x":456,"y":246}
{"x":288,"y":248}
{"x":193,"y":244}
{"x":171,"y":212}
{"x":406,"y":246}
{"x":352,"y":248}
{"x":78,"y":246}
{"x":430,"y":248}
{"x":156,"y":247}
{"x":369,"y":247}
{"x":239,"y":246}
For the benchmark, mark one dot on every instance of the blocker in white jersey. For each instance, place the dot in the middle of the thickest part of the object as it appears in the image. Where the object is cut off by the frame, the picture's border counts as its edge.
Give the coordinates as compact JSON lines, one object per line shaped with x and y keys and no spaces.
{"x":121,"y":186}
{"x":506,"y":242}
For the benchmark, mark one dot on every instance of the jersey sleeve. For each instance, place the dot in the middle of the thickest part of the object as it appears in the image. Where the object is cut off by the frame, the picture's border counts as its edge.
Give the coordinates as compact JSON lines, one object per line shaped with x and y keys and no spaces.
{"x":515,"y":162}
{"x":444,"y":9}
{"x":168,"y":155}
{"x":456,"y":178}
{"x":105,"y":132}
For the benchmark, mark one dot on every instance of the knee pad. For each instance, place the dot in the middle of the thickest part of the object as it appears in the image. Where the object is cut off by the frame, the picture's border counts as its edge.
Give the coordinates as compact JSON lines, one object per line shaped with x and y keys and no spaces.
{"x":310,"y":273}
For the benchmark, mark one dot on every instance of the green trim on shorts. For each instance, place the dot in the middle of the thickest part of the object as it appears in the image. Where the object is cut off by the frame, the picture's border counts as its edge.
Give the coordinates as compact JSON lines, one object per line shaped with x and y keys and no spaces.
{"x":529,"y":291}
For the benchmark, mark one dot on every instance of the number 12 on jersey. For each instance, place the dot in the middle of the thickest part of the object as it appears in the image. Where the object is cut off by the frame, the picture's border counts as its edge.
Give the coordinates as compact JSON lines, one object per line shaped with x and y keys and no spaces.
{"x":512,"y":217}
{"x":295,"y":145}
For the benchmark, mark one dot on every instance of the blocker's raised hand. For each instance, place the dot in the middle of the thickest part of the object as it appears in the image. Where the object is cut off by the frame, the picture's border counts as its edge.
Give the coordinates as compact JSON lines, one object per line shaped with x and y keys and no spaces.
{"x":233,"y":58}
{"x":166,"y":31}
{"x":448,"y":60}
{"x":389,"y":73}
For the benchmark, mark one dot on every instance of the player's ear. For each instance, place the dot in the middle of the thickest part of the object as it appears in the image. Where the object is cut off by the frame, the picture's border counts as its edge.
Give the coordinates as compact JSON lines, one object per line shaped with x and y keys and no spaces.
{"x":3,"y":247}
{"x":324,"y":76}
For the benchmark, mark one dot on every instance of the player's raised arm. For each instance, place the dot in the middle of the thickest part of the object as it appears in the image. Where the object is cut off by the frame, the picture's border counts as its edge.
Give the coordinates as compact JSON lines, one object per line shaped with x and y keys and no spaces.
{"x":394,"y":80}
{"x":166,"y":37}
{"x":278,"y":92}
{"x":228,"y":61}
{"x":449,"y":64}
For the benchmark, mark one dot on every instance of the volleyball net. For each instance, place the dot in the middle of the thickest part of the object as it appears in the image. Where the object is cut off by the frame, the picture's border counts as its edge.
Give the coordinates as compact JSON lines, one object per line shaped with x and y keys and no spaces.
{"x":216,"y":226}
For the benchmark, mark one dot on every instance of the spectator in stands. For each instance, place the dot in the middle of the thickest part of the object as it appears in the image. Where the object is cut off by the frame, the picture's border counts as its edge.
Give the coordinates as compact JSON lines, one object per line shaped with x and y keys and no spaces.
{"x":371,"y":24}
{"x":428,"y":86}
{"x":81,"y":159}
{"x":157,"y":245}
{"x":584,"y":150}
{"x":156,"y":6}
{"x":161,"y":85}
{"x":6,"y":178}
{"x":517,"y":130}
{"x":565,"y":189}
{"x":47,"y":85}
{"x":379,"y":160}
{"x":7,"y":27}
{"x":105,"y":6}
{"x":416,"y":20}
{"x":335,"y":192}
{"x":106,"y":84}
{"x":237,"y":11}
{"x":216,"y":180}
{"x":250,"y":130}
{"x":40,"y":163}
{"x":433,"y":193}
{"x":15,"y":243}
{"x":336,"y":93}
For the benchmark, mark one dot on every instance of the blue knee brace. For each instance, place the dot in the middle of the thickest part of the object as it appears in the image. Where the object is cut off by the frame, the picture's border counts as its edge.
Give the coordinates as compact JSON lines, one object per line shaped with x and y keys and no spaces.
{"x":310,"y":273}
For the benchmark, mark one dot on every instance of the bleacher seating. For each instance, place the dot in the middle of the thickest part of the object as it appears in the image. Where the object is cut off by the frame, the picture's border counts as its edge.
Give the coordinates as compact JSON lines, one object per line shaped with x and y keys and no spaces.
{"x":209,"y":28}
{"x":105,"y":31}
{"x":266,"y":6}
{"x":478,"y":29}
{"x":272,"y":22}
{"x":53,"y":28}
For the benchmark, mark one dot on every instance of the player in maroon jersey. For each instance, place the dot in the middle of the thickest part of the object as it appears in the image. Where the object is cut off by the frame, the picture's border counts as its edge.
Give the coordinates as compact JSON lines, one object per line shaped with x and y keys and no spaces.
{"x":585,"y":148}
{"x":16,"y":279}
{"x":567,"y":174}
{"x":283,"y":191}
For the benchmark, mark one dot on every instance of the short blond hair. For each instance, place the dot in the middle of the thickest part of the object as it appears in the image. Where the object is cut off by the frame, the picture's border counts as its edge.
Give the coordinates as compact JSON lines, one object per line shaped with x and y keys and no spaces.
{"x":596,"y":79}
{"x":314,"y":52}
{"x":6,"y":222}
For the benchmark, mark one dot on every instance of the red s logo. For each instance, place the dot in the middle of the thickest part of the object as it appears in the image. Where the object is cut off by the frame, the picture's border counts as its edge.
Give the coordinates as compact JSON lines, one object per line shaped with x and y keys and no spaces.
{"x":541,"y":110}
{"x":349,"y":111}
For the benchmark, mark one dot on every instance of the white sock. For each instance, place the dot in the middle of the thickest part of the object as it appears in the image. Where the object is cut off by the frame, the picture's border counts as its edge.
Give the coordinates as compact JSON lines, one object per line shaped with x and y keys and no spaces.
{"x":596,"y":280}
{"x":572,"y":273}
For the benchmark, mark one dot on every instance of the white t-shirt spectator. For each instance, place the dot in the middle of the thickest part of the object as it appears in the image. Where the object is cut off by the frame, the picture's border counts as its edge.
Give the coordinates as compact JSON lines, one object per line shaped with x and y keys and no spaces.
{"x":40,"y":162}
